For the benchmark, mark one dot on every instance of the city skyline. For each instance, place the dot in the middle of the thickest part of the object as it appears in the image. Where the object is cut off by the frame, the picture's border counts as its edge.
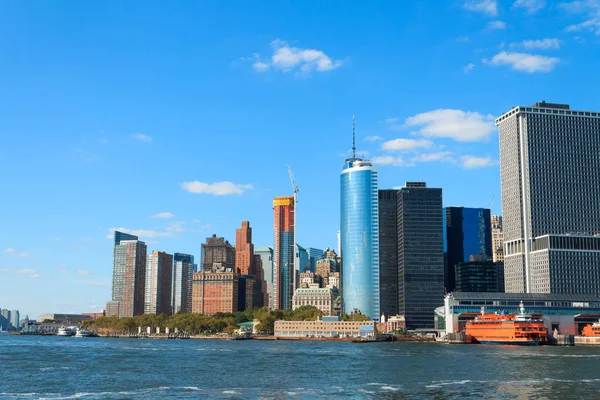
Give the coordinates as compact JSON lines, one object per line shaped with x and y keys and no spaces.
{"x":88,"y":112}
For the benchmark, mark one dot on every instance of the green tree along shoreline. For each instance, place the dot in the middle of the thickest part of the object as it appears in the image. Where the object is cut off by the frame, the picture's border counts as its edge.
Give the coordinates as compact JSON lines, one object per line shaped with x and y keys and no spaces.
{"x":199,"y":324}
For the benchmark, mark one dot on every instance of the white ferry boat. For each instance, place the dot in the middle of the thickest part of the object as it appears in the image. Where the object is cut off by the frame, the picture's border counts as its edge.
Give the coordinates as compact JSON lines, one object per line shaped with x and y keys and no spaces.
{"x":64,"y":331}
{"x":82,"y":332}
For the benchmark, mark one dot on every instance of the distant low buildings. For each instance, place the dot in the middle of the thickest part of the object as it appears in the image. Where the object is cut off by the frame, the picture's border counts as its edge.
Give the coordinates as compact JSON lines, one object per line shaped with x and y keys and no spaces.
{"x":327,"y":327}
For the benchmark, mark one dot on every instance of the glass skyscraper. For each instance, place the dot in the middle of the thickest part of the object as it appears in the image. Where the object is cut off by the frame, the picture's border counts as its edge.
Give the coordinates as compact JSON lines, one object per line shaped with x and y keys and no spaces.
{"x":359,"y":225}
{"x":283,"y":258}
{"x":468,"y":231}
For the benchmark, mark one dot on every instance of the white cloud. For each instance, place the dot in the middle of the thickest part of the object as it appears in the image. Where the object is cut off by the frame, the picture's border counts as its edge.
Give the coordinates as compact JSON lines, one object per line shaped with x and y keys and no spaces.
{"x":468,"y":68}
{"x":462,"y":126}
{"x":391,"y":160}
{"x":176,"y":226}
{"x":104,"y":141}
{"x":372,"y":138}
{"x":489,"y":7}
{"x":224,"y":188}
{"x":142,"y":137}
{"x":25,"y":271}
{"x":469,"y":161}
{"x":85,"y":155}
{"x":589,"y":8}
{"x":391,"y":120}
{"x":524,"y":62}
{"x":137,"y":232}
{"x":496,"y":25}
{"x":531,"y":6}
{"x":84,"y":272}
{"x":406,"y":144}
{"x":164,"y":215}
{"x":260,"y":66}
{"x":463,"y":39}
{"x":35,"y":276}
{"x":441,"y":156}
{"x":287,"y":58}
{"x":15,"y":253}
{"x":550,"y":43}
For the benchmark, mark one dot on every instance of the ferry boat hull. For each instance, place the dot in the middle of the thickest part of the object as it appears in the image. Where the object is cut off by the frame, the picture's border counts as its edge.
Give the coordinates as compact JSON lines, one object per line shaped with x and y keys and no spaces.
{"x":508,"y":343}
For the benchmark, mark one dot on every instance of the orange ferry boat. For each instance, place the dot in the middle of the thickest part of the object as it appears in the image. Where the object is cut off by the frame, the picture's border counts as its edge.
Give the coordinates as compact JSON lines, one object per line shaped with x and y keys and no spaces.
{"x":515,"y":329}
{"x":591,"y":329}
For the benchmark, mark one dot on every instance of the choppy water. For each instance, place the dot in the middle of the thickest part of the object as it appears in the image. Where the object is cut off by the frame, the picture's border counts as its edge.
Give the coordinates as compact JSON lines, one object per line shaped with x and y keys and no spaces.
{"x":35,"y":367}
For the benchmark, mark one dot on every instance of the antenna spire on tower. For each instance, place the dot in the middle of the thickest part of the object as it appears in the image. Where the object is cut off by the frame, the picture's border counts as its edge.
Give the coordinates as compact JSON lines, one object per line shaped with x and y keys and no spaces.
{"x":353,"y":139}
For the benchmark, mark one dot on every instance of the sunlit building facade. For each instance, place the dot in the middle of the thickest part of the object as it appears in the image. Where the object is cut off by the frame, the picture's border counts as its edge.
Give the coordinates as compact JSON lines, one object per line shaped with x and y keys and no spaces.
{"x":359,"y":229}
{"x":283,"y":257}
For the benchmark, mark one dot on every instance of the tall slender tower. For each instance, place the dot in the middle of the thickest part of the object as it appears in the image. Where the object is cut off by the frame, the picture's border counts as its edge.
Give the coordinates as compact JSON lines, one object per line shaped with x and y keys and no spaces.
{"x":244,"y":250}
{"x":359,"y":227}
{"x":284,"y":246}
{"x":159,"y":279}
{"x":129,"y":274}
{"x":183,"y":269}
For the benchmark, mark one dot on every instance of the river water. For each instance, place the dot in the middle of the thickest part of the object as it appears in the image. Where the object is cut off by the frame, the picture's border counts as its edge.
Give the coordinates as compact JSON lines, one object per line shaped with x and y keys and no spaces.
{"x":36,"y":367}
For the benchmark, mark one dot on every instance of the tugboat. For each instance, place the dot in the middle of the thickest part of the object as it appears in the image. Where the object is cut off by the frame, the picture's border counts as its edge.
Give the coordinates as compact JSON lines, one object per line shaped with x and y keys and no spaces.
{"x":592,"y":330}
{"x":513,"y":329}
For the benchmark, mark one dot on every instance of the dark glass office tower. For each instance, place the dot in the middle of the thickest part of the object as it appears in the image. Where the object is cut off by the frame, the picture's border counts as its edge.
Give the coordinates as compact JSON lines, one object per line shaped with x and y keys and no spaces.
{"x":468,"y":232}
{"x":388,"y":251}
{"x":420,"y":254}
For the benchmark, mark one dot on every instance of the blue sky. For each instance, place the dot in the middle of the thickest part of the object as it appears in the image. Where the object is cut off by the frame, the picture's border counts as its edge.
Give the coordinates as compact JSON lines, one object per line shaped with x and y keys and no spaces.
{"x":177,"y":120}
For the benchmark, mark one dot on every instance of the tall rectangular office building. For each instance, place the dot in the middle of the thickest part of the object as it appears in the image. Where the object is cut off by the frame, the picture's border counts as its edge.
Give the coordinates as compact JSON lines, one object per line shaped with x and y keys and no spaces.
{"x":129,"y":273}
{"x":388,"y":251}
{"x":420,"y":254}
{"x":550,"y":175}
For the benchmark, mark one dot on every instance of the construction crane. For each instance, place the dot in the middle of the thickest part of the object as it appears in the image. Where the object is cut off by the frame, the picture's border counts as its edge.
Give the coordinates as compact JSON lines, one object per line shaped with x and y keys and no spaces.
{"x":491,"y":203}
{"x":296,"y":253}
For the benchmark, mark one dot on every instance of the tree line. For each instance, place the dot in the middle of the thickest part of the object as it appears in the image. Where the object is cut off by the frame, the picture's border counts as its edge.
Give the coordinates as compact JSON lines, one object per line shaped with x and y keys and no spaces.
{"x":199,"y":324}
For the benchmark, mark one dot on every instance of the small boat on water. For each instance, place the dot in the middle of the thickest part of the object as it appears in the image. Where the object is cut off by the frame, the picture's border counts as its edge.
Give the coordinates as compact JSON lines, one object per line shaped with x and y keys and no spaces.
{"x":512,"y":329}
{"x":82,"y":332}
{"x":592,"y":330}
{"x":65,"y":331}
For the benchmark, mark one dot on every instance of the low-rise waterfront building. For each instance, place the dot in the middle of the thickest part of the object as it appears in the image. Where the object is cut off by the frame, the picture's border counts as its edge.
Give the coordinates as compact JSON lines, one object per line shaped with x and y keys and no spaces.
{"x":64,"y":318}
{"x":327,"y":327}
{"x":566,"y":313}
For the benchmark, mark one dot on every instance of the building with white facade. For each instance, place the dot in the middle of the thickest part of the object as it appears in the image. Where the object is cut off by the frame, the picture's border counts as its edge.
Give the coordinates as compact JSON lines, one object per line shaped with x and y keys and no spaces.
{"x":550,"y":176}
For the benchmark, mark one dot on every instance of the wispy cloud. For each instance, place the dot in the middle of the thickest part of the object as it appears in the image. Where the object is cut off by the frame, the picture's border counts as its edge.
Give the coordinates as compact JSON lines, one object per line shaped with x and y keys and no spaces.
{"x":488,"y":7}
{"x":164,"y":215}
{"x":16,"y":253}
{"x":403,"y":144}
{"x":440,"y":156}
{"x":391,"y":120}
{"x":470,"y":161}
{"x":524,"y":62}
{"x":138,"y":232}
{"x":224,"y":188}
{"x":176,"y":227}
{"x":495,"y":25}
{"x":590,"y":9}
{"x":288,"y":58}
{"x":372,"y":138}
{"x":392,"y":160}
{"x":459,"y":125}
{"x":463,"y":39}
{"x":141,"y":137}
{"x":85,"y":156}
{"x":84,"y":272}
{"x":31,"y":273}
{"x":549,"y":43}
{"x":468,"y":68}
{"x":531,"y":6}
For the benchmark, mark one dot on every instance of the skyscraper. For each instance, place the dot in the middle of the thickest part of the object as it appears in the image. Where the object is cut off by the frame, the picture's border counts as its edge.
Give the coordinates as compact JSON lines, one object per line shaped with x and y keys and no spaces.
{"x":550,"y":175}
{"x":183,"y":269}
{"x":497,"y":238}
{"x":244,"y":249}
{"x":217,"y":253}
{"x":314,"y":255}
{"x":359,"y":226}
{"x":159,"y":275}
{"x":15,"y":319}
{"x":128,"y":287}
{"x":303,"y":259}
{"x":5,"y":316}
{"x":468,"y":232}
{"x":420,"y":254}
{"x":284,"y":268}
{"x":388,"y":251}
{"x":266,"y":255}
